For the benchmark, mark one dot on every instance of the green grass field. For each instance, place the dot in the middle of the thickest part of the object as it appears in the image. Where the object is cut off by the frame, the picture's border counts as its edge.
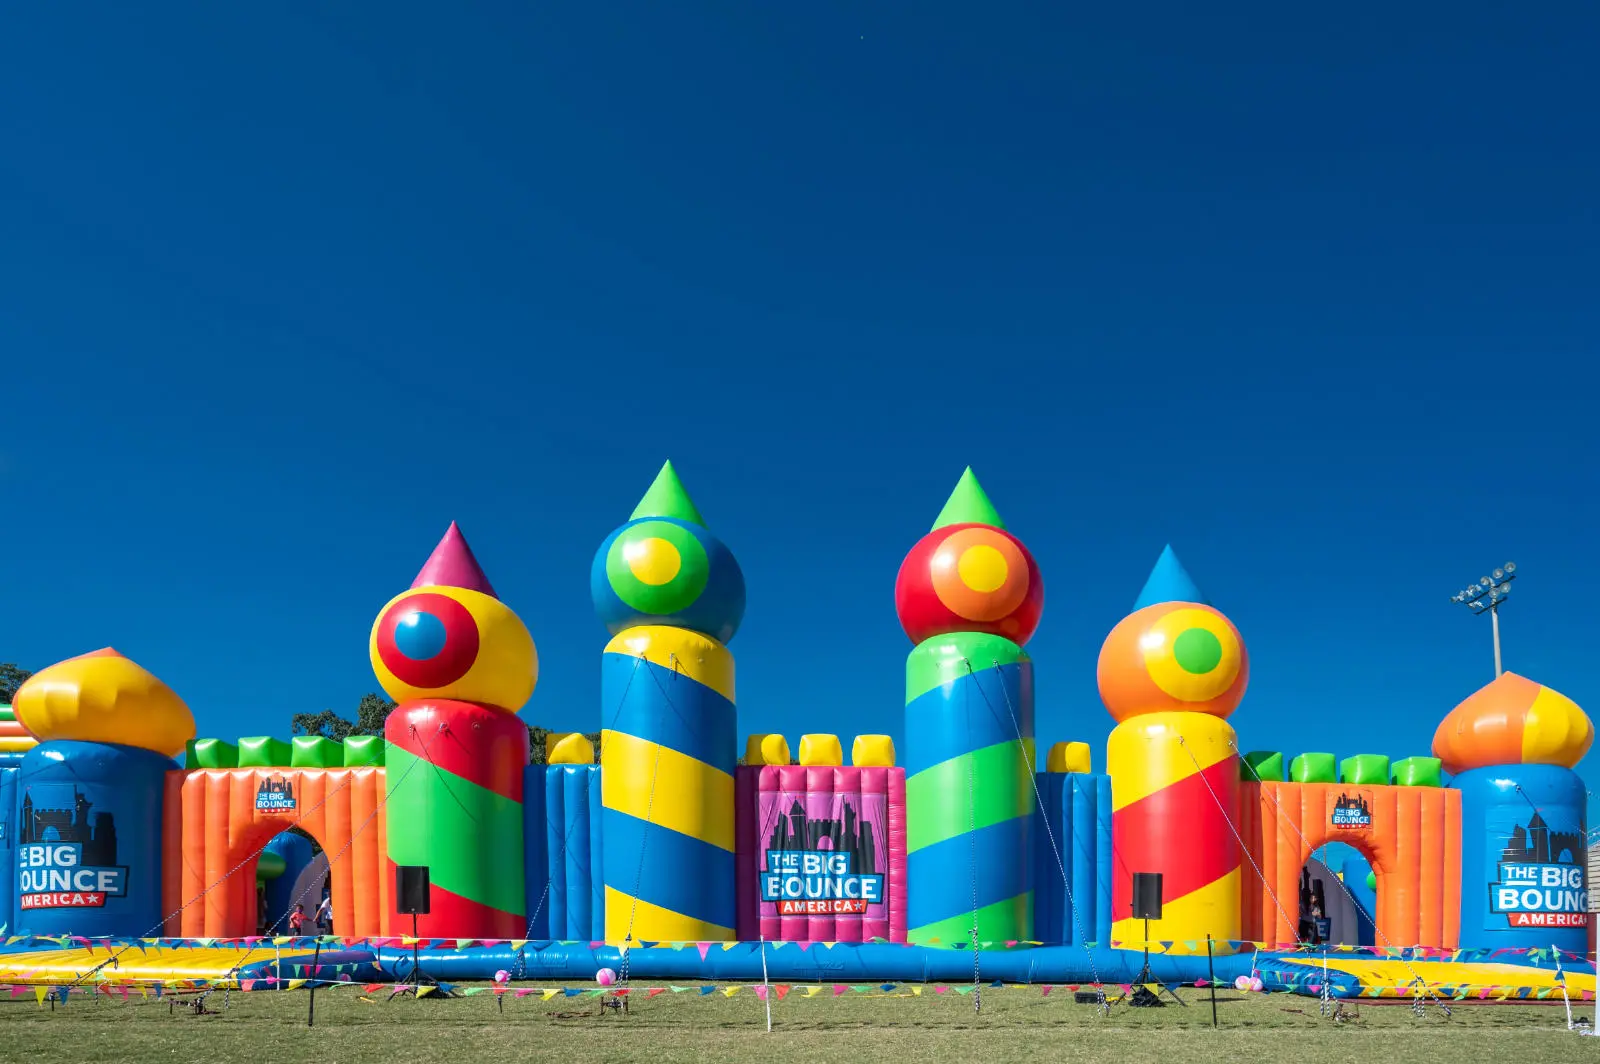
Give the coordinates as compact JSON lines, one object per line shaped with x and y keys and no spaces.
{"x":1015,"y":1025}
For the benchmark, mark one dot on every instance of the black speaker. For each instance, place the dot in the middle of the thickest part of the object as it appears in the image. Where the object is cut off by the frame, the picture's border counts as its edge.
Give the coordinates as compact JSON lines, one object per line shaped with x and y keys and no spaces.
{"x":1147,"y":895}
{"x":411,"y":890}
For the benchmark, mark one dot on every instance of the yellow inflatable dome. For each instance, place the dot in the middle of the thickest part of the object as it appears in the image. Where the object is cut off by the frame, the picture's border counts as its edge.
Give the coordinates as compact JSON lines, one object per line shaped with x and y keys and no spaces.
{"x":104,"y":697}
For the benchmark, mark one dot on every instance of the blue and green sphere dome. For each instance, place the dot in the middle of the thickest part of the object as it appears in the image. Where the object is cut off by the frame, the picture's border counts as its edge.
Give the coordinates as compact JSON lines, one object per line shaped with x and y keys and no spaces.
{"x":664,"y":567}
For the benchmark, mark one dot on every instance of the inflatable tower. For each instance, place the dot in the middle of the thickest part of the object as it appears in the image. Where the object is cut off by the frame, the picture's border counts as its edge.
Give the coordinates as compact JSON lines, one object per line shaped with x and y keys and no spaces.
{"x":1512,"y":746}
{"x":671,"y":595}
{"x":1170,"y":673}
{"x":87,"y":823}
{"x":969,"y":595}
{"x":460,"y":664}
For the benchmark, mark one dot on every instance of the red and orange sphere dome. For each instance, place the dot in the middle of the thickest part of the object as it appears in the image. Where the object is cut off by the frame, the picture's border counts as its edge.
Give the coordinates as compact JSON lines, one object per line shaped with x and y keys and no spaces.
{"x":1181,"y":656}
{"x":969,"y":577}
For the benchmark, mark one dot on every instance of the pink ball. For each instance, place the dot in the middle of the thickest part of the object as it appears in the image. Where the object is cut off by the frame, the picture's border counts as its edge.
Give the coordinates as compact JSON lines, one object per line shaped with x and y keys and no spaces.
{"x":1242,"y":983}
{"x":605,"y":977}
{"x":1255,"y":983}
{"x":502,"y":976}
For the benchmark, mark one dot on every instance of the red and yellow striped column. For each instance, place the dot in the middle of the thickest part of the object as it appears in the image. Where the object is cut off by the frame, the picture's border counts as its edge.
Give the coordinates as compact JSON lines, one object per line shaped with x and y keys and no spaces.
{"x":1170,"y":673}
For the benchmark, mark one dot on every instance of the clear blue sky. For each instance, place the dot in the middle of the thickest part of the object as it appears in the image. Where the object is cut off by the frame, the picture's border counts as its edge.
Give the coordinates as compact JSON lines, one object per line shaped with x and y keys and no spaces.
{"x":1310,"y":295}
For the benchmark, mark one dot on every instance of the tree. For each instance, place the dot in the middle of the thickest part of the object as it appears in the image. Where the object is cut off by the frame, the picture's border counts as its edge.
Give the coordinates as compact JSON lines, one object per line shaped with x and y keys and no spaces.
{"x":11,"y":678}
{"x":371,"y":712}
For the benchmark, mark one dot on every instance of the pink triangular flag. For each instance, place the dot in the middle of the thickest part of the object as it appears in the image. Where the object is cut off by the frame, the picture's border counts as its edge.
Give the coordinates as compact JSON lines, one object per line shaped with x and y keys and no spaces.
{"x":704,"y":948}
{"x":761,"y":992}
{"x":452,"y":565}
{"x":838,"y":989}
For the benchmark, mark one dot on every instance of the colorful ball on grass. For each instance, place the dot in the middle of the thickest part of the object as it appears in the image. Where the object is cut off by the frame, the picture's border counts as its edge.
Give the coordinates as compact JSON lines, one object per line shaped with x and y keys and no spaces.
{"x":502,"y":977}
{"x":453,"y":642}
{"x":1256,"y":984}
{"x":1173,"y":656}
{"x":605,"y":977}
{"x":969,"y":578}
{"x":1242,"y":983}
{"x":662,"y":570}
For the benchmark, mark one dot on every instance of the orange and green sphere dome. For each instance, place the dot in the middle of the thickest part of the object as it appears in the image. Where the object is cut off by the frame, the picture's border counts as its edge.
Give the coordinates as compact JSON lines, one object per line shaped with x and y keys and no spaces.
{"x":1180,"y":656}
{"x":969,"y":577}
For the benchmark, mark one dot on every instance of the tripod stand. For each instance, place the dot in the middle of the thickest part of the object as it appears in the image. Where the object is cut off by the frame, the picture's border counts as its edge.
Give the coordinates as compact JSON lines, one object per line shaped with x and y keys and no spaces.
{"x":418,"y":979}
{"x":1142,"y":998}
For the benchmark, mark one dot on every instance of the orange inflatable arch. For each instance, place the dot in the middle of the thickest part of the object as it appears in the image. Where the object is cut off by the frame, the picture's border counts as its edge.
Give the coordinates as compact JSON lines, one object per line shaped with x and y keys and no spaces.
{"x":1413,"y":843}
{"x":214,"y":832}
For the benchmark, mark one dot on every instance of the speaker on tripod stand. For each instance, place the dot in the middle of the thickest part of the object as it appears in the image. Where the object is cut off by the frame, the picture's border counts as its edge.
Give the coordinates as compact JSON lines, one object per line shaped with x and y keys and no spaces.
{"x":1146,"y":907}
{"x":414,"y":897}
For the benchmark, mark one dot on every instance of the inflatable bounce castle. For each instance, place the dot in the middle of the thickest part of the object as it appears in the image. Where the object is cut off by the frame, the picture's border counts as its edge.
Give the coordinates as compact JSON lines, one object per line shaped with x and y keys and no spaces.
{"x":961,"y":851}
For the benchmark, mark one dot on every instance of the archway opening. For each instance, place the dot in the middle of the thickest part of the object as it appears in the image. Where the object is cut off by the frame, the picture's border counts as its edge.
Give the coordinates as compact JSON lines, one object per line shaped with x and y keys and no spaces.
{"x":259,"y":910}
{"x":1338,"y":897}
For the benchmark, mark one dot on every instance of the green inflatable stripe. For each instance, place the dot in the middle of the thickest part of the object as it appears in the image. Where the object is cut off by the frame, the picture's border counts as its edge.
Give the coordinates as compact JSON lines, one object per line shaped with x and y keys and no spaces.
{"x":315,"y":751}
{"x":1418,"y":772}
{"x":999,"y":787}
{"x":1365,"y":769}
{"x":1314,"y":768}
{"x":943,"y":659}
{"x":363,"y":750}
{"x":998,"y":923}
{"x":211,"y":753}
{"x":448,"y":822}
{"x":6,"y":712}
{"x":262,"y":751}
{"x":1263,"y":765}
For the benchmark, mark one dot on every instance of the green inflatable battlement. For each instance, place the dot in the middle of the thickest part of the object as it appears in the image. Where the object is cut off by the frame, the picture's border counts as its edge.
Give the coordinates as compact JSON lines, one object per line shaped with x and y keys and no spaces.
{"x":1357,"y":770}
{"x":303,"y":751}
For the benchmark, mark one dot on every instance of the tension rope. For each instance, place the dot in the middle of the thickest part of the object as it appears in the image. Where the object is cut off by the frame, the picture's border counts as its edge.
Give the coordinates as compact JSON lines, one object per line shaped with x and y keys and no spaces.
{"x":1038,"y":800}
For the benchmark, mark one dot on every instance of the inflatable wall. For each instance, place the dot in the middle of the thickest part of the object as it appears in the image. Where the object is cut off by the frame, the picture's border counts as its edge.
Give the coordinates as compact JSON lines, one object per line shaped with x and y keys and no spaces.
{"x":1072,"y":850}
{"x":573,"y":848}
{"x":822,"y":846}
{"x":960,"y":840}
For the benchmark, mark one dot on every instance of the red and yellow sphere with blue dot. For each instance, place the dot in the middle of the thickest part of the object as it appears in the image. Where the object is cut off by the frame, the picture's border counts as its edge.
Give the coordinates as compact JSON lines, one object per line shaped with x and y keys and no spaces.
{"x":1179,"y":656}
{"x":660,"y":570}
{"x":969,"y":578}
{"x":452,"y":642}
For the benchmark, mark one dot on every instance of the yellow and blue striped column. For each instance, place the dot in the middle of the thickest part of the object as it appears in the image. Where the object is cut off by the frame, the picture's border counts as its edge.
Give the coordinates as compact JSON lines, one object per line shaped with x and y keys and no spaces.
{"x":672,"y":595}
{"x":969,"y":594}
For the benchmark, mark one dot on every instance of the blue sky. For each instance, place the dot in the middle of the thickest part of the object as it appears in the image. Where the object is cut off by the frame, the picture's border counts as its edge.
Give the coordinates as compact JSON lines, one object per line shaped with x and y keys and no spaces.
{"x":285,"y":292}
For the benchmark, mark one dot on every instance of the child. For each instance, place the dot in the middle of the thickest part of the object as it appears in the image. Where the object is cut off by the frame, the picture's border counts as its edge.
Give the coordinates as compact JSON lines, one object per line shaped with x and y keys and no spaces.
{"x":297,"y":919}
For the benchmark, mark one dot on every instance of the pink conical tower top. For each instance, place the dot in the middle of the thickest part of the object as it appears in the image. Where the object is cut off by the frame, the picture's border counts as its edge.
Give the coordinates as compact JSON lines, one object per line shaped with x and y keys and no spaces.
{"x":452,"y":565}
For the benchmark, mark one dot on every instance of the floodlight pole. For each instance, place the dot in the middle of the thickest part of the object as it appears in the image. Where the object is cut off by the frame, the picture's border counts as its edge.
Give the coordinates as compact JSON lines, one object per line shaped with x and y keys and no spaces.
{"x":1494,"y":623}
{"x":1485,"y":596}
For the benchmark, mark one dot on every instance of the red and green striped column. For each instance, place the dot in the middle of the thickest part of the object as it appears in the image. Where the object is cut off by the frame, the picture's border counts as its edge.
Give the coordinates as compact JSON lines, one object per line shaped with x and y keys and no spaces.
{"x":460,"y":664}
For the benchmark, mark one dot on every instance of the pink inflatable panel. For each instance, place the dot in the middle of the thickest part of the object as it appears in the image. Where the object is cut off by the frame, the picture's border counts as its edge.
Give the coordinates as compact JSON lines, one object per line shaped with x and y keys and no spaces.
{"x":822,"y":853}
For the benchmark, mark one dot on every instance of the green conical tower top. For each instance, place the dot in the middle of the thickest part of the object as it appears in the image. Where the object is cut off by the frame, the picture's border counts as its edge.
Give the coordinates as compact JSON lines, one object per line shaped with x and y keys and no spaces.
{"x":968,"y":505}
{"x":667,"y":498}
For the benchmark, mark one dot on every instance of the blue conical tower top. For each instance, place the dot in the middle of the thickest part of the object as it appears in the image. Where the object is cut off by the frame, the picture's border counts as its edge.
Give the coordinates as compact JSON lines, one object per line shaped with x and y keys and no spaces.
{"x":1169,"y":582}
